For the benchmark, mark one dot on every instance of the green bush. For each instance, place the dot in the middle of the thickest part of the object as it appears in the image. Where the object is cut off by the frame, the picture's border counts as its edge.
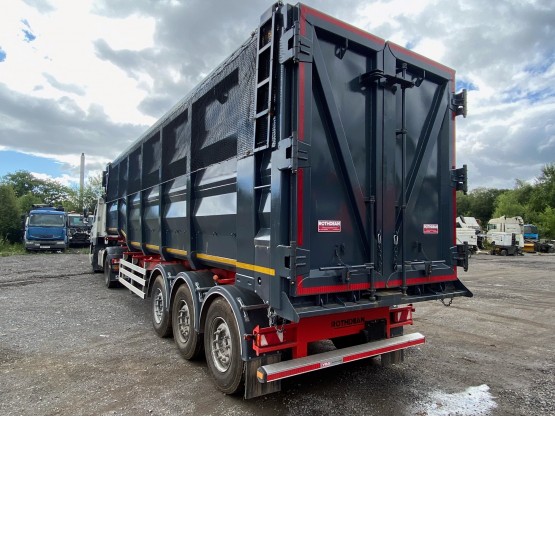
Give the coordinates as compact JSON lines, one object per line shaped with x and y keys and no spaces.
{"x":10,"y":219}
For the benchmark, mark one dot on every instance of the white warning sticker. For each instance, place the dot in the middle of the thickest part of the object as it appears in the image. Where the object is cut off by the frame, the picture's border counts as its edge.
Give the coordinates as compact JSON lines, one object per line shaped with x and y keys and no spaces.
{"x":329,"y":226}
{"x":431,"y":229}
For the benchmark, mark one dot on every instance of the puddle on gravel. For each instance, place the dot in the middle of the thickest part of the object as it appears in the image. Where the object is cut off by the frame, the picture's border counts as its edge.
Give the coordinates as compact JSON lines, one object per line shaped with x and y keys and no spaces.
{"x":474,"y":401}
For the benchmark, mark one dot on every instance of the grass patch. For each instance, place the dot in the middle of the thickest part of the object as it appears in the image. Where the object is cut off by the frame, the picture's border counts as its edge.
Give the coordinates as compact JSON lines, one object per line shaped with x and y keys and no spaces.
{"x":9,"y":249}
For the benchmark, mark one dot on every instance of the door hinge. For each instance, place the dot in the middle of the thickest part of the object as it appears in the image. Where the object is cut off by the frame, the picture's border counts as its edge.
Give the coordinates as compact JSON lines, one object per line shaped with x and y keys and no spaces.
{"x":294,"y":47}
{"x":296,"y":153}
{"x":459,"y":177}
{"x":459,"y":103}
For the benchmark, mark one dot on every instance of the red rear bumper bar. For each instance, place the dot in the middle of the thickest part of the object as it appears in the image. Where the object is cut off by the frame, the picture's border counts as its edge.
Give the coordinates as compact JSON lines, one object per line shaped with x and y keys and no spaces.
{"x":281,"y":370}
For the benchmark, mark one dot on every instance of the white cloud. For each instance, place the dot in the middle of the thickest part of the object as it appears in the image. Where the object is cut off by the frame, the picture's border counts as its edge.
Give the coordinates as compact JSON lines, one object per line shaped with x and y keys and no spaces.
{"x":98,"y":72}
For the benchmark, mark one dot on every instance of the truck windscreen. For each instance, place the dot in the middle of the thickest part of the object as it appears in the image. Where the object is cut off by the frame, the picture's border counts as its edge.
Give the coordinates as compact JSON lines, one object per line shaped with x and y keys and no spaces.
{"x":76,"y":221}
{"x":46,"y":220}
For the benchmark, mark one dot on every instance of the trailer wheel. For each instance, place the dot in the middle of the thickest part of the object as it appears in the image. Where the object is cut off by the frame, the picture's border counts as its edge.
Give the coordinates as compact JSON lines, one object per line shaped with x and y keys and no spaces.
{"x":503,"y":252}
{"x":222,"y":347}
{"x":161,"y":318}
{"x":188,"y":341}
{"x":108,"y":274}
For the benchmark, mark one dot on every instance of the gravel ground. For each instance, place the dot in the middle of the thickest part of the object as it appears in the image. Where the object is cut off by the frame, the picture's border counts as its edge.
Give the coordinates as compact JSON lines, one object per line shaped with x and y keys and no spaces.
{"x":70,"y":346}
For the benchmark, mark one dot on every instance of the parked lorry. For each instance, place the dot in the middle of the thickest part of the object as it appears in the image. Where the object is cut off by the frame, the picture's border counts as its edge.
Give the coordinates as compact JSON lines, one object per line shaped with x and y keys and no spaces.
{"x":506,"y":236}
{"x":45,"y":228}
{"x":305,"y":190}
{"x":469,"y":232}
{"x":78,"y":230}
{"x":532,"y":242}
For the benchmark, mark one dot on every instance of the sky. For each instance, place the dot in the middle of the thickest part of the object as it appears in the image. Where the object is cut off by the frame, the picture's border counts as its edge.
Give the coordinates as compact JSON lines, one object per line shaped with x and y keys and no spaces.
{"x":92,"y":75}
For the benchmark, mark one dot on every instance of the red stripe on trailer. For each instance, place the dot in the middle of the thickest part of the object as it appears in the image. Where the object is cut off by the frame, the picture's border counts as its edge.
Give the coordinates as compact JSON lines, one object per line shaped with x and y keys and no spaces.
{"x":302,"y":79}
{"x":300,"y":136}
{"x":319,"y":290}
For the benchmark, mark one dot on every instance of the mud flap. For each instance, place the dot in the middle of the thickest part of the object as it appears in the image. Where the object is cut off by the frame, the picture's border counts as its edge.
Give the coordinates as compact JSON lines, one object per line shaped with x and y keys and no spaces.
{"x":253,"y":388}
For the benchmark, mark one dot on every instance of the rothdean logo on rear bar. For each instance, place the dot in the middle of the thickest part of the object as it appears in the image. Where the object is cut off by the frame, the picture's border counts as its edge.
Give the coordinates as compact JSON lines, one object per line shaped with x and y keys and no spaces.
{"x":346,"y":322}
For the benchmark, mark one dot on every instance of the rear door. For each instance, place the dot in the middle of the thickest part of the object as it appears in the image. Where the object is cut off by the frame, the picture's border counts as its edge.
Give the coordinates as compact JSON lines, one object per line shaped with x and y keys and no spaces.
{"x":373,"y":205}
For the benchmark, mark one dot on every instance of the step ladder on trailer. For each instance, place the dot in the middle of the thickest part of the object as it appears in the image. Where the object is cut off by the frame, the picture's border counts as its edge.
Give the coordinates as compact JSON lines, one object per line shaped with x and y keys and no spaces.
{"x":133,"y":277}
{"x":263,"y":100}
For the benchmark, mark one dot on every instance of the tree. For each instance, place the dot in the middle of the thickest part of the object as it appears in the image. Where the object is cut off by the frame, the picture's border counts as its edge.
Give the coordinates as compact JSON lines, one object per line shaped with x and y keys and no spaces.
{"x":546,"y":184}
{"x":27,"y":201}
{"x":507,"y":204}
{"x":10,"y":220}
{"x":479,"y":203}
{"x":25,"y":183}
{"x":546,"y":222}
{"x":91,"y":191}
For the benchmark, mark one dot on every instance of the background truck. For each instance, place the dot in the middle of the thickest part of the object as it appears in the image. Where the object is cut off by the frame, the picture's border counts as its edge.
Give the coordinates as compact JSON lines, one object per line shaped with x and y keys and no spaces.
{"x":468,"y":231}
{"x":45,"y":228}
{"x":506,"y":236}
{"x":532,"y":241}
{"x":305,"y":190}
{"x":78,"y":230}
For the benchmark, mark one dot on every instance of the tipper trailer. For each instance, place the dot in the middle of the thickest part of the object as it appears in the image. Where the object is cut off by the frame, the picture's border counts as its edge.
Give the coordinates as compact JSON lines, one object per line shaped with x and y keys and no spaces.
{"x":305,"y":190}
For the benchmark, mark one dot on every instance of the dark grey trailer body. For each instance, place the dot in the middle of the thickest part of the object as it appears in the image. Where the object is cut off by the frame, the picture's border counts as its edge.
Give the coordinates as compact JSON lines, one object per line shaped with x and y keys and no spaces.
{"x":315,"y":169}
{"x":317,"y":160}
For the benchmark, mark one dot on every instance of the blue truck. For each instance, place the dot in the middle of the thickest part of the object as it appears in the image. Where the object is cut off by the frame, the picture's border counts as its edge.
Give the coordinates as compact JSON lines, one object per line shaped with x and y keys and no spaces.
{"x":531,"y":233}
{"x":46,"y":229}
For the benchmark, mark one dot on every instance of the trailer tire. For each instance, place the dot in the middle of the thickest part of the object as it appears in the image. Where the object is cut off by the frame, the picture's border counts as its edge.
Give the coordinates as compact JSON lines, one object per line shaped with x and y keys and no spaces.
{"x":503,"y":252}
{"x":161,"y":318}
{"x":188,"y":340}
{"x":108,"y":274}
{"x":223,"y":347}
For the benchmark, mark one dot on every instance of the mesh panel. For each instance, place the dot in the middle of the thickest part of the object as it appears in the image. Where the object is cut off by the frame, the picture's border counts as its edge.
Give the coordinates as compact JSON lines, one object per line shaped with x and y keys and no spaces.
{"x":222,"y":124}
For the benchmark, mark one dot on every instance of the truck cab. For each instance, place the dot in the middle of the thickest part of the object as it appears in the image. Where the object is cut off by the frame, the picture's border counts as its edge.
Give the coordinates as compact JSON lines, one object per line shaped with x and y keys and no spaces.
{"x":506,"y":235}
{"x":79,"y":230}
{"x":46,"y":229}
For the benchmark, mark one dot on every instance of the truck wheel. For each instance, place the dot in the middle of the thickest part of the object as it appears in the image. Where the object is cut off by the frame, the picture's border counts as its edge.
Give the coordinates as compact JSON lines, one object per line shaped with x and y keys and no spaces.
{"x":161,"y":318}
{"x":110,"y":284}
{"x":503,"y":252}
{"x":188,"y":341}
{"x":223,"y":348}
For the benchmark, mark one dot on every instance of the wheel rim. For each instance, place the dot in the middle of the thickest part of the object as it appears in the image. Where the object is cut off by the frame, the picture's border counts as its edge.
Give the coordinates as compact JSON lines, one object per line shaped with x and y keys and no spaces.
{"x":158,"y":306}
{"x":221,"y":345}
{"x":184,"y":321}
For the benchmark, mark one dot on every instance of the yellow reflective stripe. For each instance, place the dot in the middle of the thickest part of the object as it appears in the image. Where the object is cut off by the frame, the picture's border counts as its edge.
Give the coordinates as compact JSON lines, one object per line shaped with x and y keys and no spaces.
{"x":257,"y":269}
{"x":135,"y":244}
{"x":123,"y":233}
{"x":152,"y":247}
{"x":232,"y":262}
{"x":176,"y":251}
